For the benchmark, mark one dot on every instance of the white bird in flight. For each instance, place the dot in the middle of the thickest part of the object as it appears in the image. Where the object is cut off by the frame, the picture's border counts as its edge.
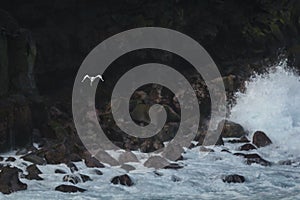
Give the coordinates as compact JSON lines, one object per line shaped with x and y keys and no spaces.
{"x":92,"y":78}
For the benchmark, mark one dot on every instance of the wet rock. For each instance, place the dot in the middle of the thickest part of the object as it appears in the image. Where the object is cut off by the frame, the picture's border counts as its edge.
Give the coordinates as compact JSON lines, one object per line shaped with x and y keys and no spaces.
{"x":192,"y":145}
{"x":231,"y":129}
{"x":33,"y":173}
{"x":173,"y":152}
{"x":56,"y":130}
{"x":285,"y":162}
{"x":127,"y":167}
{"x":71,"y":178}
{"x":10,"y":159}
{"x":93,"y":162}
{"x":69,"y":189}
{"x":234,"y":178}
{"x":98,"y":172}
{"x":180,"y":158}
{"x":260,"y":139}
{"x":229,"y":82}
{"x":255,"y":158}
{"x":243,"y":139}
{"x":175,"y":178}
{"x":9,"y":180}
{"x":72,"y":167}
{"x":75,"y":157}
{"x":140,"y":113}
{"x":122,"y":180}
{"x":247,"y":147}
{"x":239,"y":154}
{"x":1,"y":158}
{"x":35,"y":159}
{"x":210,"y":138}
{"x":172,"y":116}
{"x":22,"y":151}
{"x":127,"y":156}
{"x":151,"y":145}
{"x":225,"y":150}
{"x":168,"y":132}
{"x":173,"y":166}
{"x":85,"y":178}
{"x":60,"y":171}
{"x":56,"y":154}
{"x":104,"y":157}
{"x":156,"y":162}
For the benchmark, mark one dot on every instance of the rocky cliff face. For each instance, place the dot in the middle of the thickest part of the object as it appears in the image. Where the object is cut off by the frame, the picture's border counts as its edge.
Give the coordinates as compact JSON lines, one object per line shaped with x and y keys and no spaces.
{"x":239,"y":35}
{"x":17,"y":55}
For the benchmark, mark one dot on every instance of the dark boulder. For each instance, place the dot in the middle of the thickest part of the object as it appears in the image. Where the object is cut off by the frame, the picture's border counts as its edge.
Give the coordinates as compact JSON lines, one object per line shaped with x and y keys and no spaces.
{"x":127,"y":156}
{"x":243,"y":139}
{"x":85,"y":178}
{"x":210,"y":138}
{"x":231,"y":129}
{"x":72,"y":167}
{"x":234,"y":178}
{"x":239,"y":154}
{"x":175,"y":178}
{"x":10,"y":159}
{"x":168,"y":132}
{"x":93,"y":162}
{"x":151,"y":145}
{"x":156,"y":162}
{"x":225,"y":150}
{"x":173,"y":166}
{"x":260,"y":139}
{"x":247,"y":147}
{"x":34,"y":158}
{"x":71,"y":178}
{"x":69,"y":189}
{"x":104,"y":157}
{"x":60,"y":171}
{"x":123,"y":180}
{"x":33,"y":173}
{"x":173,"y":152}
{"x":9,"y":180}
{"x":285,"y":162}
{"x":127,"y":167}
{"x":255,"y":158}
{"x":56,"y":154}
{"x":98,"y":172}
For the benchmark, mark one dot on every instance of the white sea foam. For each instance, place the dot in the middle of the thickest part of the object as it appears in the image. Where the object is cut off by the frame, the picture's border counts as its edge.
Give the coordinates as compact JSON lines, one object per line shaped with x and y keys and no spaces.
{"x":271,"y":104}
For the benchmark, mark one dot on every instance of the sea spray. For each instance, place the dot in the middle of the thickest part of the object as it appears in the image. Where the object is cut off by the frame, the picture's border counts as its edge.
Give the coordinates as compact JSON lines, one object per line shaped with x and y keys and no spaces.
{"x":271,"y":103}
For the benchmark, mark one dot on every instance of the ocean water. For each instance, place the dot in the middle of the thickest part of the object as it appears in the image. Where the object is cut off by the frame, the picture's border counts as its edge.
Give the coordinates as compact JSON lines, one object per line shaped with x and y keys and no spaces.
{"x":270,"y":104}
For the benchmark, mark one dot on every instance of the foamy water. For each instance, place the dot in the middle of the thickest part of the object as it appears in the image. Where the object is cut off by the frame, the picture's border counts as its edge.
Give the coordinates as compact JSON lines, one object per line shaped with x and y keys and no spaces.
{"x":271,"y":104}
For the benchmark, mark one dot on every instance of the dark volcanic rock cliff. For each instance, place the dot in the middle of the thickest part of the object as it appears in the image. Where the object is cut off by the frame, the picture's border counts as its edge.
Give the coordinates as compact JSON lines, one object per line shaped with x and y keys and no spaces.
{"x":239,"y":35}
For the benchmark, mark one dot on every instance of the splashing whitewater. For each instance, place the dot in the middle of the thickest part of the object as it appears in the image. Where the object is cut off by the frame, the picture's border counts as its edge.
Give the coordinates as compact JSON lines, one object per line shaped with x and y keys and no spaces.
{"x":271,"y":103}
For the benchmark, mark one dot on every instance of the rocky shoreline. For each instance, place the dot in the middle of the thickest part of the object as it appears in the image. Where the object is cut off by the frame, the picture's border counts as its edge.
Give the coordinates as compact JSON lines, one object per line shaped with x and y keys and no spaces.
{"x":38,"y":65}
{"x":236,"y":143}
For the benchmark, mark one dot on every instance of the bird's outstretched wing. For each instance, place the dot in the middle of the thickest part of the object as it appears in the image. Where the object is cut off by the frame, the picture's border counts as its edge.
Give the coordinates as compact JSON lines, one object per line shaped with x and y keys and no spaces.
{"x":85,"y":77}
{"x":100,"y":77}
